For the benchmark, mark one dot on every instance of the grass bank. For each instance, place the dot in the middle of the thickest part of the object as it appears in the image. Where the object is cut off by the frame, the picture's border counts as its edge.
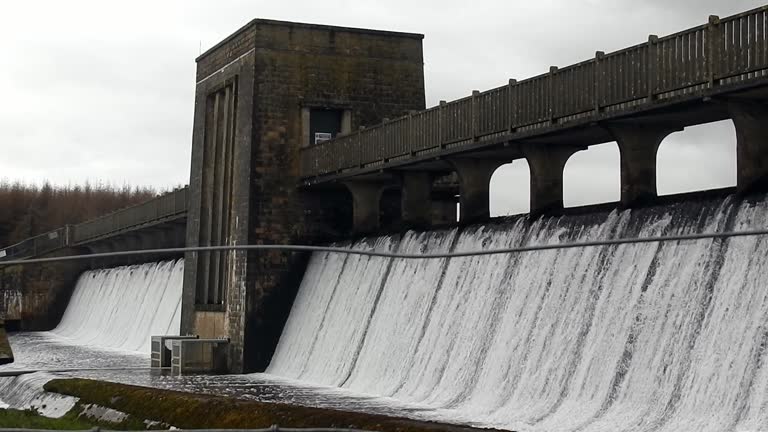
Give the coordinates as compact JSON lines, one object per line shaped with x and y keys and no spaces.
{"x":189,"y":410}
{"x":73,"y":420}
{"x":31,"y":420}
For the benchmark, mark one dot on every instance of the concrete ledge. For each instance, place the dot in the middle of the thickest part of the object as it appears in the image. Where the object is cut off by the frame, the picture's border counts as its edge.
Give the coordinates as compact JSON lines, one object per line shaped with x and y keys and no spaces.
{"x":195,"y":411}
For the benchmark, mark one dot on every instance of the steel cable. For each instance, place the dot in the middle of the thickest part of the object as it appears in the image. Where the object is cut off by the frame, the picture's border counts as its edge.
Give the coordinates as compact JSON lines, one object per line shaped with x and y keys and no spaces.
{"x":372,"y":253}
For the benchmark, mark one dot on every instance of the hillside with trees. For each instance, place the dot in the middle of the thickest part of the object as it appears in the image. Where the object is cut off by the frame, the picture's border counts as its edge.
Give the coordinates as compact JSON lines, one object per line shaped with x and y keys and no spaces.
{"x":28,"y":210}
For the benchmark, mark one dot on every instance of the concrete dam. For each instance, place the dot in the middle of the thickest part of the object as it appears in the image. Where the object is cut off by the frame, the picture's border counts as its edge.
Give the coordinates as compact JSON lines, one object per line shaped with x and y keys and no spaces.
{"x":317,"y":135}
{"x":648,"y":337}
{"x":637,"y":337}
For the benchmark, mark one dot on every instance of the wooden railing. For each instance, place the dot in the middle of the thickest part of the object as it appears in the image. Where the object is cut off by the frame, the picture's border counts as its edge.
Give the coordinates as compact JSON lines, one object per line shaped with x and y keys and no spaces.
{"x":164,"y":207}
{"x":37,"y":245}
{"x":682,"y":63}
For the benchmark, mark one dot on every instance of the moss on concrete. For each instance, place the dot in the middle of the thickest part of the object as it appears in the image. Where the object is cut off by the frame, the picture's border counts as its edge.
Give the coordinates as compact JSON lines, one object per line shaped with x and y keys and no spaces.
{"x":189,"y":410}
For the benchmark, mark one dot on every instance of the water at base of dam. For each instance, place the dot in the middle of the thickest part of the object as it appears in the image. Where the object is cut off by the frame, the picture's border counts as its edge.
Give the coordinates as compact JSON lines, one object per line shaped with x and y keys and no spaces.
{"x":636,"y":337}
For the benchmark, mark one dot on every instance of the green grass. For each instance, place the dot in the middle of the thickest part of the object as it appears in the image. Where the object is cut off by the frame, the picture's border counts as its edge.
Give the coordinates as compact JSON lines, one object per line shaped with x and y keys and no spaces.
{"x":31,"y":420}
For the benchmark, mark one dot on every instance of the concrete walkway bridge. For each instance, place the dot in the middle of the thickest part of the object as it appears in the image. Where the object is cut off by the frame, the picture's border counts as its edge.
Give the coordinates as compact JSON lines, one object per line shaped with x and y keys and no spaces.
{"x":636,"y":97}
{"x":157,"y":223}
{"x":34,"y":297}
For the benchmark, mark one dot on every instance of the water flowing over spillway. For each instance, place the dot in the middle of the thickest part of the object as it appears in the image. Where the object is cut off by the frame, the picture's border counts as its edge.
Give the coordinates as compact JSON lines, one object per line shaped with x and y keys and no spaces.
{"x":643,"y":337}
{"x":123,"y":307}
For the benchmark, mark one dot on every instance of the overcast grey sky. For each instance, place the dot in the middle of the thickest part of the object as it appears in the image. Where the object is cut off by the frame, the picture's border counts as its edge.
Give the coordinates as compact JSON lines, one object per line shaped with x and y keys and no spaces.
{"x":103,"y":90}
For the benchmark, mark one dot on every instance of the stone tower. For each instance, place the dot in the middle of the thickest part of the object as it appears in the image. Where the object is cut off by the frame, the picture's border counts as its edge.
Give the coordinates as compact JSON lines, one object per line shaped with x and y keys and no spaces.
{"x":262,"y":94}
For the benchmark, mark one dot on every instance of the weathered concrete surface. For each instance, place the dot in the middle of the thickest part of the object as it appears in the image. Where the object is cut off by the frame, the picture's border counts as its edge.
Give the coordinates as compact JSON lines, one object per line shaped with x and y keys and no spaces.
{"x":6,"y":353}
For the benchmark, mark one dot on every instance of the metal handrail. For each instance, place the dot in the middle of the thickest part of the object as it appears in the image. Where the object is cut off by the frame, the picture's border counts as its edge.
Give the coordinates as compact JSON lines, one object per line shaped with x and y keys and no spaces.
{"x":36,"y":245}
{"x":161,"y":207}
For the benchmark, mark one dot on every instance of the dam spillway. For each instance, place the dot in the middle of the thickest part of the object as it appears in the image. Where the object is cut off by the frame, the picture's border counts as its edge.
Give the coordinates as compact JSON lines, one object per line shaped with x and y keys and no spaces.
{"x":123,"y":307}
{"x":635,"y":337}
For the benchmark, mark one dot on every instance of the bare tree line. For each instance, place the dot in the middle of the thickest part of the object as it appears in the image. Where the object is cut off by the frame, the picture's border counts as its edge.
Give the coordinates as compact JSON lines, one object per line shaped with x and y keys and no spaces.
{"x":27,"y":210}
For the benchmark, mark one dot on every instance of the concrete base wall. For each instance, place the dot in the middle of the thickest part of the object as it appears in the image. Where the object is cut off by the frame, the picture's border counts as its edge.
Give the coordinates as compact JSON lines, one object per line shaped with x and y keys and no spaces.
{"x":210,"y":325}
{"x":35,"y":296}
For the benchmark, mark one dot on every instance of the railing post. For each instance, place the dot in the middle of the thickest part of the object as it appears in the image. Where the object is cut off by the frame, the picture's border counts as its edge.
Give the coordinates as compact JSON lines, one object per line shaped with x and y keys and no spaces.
{"x":382,"y":144}
{"x":475,"y":114}
{"x":598,"y":57}
{"x":551,"y":98}
{"x":360,"y":149}
{"x":441,"y":124}
{"x":511,"y":105}
{"x":651,"y":68}
{"x":714,"y":49}
{"x":409,"y":135}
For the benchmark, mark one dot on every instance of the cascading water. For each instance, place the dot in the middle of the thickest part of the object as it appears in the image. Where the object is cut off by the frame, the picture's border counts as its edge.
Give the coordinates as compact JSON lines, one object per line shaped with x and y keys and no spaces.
{"x":635,"y":337}
{"x":116,"y":309}
{"x":123,"y":307}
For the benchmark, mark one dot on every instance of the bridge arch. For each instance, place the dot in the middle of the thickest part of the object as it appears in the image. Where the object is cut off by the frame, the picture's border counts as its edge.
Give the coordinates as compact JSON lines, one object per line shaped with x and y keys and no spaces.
{"x":510,"y":189}
{"x":698,"y":158}
{"x":593,"y":176}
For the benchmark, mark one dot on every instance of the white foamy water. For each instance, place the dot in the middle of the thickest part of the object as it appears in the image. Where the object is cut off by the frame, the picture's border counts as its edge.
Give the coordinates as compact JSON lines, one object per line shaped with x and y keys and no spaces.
{"x":26,"y":392}
{"x":645,"y":337}
{"x":123,"y":307}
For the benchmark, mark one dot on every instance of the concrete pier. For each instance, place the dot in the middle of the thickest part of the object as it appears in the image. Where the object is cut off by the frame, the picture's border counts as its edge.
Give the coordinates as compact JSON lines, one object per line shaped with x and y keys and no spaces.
{"x":638,"y":147}
{"x":546,"y":166}
{"x":417,"y":199}
{"x":750,"y":119}
{"x":474,"y":187}
{"x":366,"y":205}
